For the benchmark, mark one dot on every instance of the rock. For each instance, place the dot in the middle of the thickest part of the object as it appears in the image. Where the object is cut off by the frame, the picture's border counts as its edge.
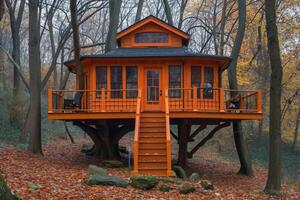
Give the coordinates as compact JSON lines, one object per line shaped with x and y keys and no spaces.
{"x":177,"y":181}
{"x":164,"y":188}
{"x":34,"y":186}
{"x":143,"y":182}
{"x":95,"y":170}
{"x":5,"y":192}
{"x":113,"y":163}
{"x":106,"y":180}
{"x":186,"y":188}
{"x":207,"y":185}
{"x":180,"y":173}
{"x":86,"y":148}
{"x":194,"y":177}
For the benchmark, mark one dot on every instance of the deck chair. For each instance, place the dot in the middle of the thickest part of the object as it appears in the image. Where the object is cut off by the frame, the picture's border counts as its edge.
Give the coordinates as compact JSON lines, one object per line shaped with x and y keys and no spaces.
{"x":75,"y":103}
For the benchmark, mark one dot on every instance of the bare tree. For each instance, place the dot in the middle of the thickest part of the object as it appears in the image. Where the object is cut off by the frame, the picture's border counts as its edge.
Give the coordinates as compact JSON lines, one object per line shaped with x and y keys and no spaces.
{"x":139,"y":10}
{"x":273,"y":185}
{"x":296,"y":130}
{"x":2,"y":10}
{"x":241,"y":146}
{"x":76,"y":42}
{"x":114,"y":12}
{"x":168,"y":12}
{"x":34,"y":128}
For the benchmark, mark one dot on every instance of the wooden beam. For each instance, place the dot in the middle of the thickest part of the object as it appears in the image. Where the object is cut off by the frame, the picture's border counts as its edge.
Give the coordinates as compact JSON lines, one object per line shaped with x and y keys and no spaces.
{"x":198,"y":130}
{"x":174,"y":135}
{"x":208,"y":137}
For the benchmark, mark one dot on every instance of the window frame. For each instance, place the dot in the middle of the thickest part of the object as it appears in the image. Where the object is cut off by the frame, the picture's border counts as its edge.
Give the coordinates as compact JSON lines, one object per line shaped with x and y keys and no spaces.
{"x":116,"y":94}
{"x":201,"y":84}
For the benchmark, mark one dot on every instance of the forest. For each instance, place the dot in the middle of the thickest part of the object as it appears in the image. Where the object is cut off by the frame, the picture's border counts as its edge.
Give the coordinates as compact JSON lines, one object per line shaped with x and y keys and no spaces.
{"x":41,"y":158}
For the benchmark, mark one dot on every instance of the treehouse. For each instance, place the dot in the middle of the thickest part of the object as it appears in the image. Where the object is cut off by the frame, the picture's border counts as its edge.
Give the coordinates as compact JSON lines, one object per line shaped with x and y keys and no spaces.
{"x":149,"y":82}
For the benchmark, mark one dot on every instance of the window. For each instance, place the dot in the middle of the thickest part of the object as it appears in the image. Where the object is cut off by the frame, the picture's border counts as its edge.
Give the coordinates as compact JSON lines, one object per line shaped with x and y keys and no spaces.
{"x":174,"y":81}
{"x":131,"y":81}
{"x":208,"y":83}
{"x":116,"y":82}
{"x":151,"y":37}
{"x":196,"y":78}
{"x":101,"y":79}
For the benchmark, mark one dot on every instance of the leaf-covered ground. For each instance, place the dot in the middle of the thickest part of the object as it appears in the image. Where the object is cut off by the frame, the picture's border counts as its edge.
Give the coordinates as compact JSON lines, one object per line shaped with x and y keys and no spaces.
{"x":62,"y":170}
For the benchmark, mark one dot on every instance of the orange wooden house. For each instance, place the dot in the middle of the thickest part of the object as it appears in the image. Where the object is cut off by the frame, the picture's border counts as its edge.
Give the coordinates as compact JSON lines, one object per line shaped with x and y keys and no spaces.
{"x":149,"y":82}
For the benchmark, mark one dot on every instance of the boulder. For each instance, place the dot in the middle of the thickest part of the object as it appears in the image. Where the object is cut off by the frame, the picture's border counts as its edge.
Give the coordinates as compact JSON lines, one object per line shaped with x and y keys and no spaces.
{"x":194,"y":177}
{"x":177,"y":181}
{"x":180,"y":173}
{"x":106,"y":180}
{"x":86,"y":148}
{"x":95,"y":170}
{"x":113,"y":163}
{"x":164,"y":188}
{"x":207,"y":185}
{"x":143,"y":182}
{"x":186,"y":188}
{"x":5,"y":192}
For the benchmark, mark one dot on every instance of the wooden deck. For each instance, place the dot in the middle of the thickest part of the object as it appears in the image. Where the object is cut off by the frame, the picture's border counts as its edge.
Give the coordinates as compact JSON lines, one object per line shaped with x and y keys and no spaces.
{"x":183,"y":103}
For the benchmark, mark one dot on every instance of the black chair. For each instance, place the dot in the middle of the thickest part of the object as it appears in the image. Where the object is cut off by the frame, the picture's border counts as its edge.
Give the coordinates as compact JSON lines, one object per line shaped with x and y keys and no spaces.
{"x":74,"y":103}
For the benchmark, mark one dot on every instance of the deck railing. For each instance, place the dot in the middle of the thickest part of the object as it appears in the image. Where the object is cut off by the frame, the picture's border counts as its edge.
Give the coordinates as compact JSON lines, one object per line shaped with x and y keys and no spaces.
{"x":214,"y":100}
{"x":136,"y":134}
{"x":179,"y":99}
{"x":92,"y":100}
{"x":168,"y":137}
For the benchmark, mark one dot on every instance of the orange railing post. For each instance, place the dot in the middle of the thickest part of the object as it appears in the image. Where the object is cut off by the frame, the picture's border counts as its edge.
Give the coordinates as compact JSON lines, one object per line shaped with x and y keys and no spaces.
{"x":168,"y":138}
{"x":259,"y":101}
{"x":50,"y":100}
{"x":136,"y":135}
{"x":194,"y":98}
{"x":102,"y":100}
{"x":222,"y":97}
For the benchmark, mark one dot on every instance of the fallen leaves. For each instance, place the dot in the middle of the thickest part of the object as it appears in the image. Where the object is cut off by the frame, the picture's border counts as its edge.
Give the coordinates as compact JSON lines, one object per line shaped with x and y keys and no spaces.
{"x":63,"y":169}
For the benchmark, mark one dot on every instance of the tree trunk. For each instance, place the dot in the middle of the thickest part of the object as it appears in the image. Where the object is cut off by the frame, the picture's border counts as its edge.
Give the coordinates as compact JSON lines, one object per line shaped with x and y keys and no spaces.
{"x":114,"y":11}
{"x":273,"y":185}
{"x":182,"y":8}
{"x":168,"y":12}
{"x":35,"y":138}
{"x":2,"y":10}
{"x":5,"y":192}
{"x":296,"y":131}
{"x":139,"y":10}
{"x":76,"y":43}
{"x":184,"y":130}
{"x":241,"y":147}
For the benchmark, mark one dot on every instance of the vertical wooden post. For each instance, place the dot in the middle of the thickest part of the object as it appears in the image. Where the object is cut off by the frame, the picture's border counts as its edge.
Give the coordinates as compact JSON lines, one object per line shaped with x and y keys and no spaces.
{"x":50,"y":101}
{"x":222,"y":97}
{"x":194,"y":98}
{"x":102,"y":100}
{"x":259,"y":101}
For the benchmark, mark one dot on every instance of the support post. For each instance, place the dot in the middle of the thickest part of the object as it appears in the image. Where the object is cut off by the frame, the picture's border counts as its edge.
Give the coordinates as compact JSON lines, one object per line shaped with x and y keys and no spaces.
{"x":50,"y":99}
{"x":194,"y":98}
{"x":102,"y":100}
{"x":222,"y":97}
{"x":259,"y":101}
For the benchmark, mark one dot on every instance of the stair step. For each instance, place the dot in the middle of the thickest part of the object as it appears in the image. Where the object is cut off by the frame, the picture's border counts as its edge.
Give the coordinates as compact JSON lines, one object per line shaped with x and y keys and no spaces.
{"x":153,"y":129}
{"x":150,"y":151}
{"x":153,"y":119}
{"x":152,"y":146}
{"x":153,"y":168}
{"x":153,"y":114}
{"x":152,"y":134}
{"x":150,"y":159}
{"x":162,"y":165}
{"x":153,"y":124}
{"x":152,"y":140}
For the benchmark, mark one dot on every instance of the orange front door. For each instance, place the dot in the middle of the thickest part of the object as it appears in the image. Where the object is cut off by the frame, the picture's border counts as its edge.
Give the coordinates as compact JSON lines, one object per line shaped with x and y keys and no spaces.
{"x":153,"y":90}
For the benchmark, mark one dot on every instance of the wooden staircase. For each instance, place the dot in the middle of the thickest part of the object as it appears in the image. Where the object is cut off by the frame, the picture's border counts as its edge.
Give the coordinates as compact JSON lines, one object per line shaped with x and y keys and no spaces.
{"x":152,"y":148}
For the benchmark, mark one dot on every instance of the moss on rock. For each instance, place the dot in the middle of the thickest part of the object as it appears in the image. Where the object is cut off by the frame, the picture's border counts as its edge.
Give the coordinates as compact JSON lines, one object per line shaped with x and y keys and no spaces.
{"x":143,"y":182}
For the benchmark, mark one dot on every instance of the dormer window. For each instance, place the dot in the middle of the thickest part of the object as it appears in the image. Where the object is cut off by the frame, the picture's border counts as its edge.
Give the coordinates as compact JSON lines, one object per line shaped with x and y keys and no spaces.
{"x":151,"y":37}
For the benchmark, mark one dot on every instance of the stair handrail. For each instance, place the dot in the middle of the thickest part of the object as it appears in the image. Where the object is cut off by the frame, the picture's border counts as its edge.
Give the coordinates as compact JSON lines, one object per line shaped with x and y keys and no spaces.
{"x":168,"y":138}
{"x":136,"y":133}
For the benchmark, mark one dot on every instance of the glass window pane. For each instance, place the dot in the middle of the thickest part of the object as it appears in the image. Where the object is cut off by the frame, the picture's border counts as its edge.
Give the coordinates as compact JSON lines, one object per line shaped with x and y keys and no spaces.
{"x":196,"y":78}
{"x":208,"y":82}
{"x":116,"y":82}
{"x":151,"y":37}
{"x":131,"y":81}
{"x":174,"y":81}
{"x":101,"y":79}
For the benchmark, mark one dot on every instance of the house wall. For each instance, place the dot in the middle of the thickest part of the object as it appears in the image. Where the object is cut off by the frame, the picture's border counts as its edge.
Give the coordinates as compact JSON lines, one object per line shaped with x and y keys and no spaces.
{"x":173,"y":40}
{"x":143,"y":64}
